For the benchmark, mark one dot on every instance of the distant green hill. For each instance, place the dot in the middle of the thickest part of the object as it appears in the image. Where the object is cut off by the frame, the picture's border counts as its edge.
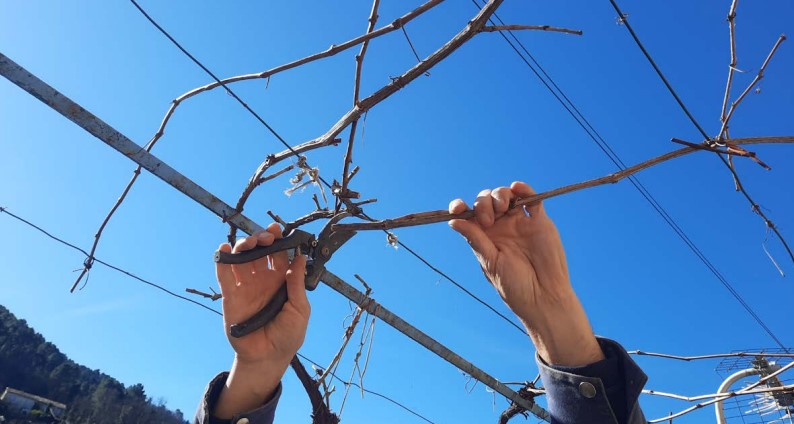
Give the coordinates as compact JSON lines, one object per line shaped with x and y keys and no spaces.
{"x":34,"y":365}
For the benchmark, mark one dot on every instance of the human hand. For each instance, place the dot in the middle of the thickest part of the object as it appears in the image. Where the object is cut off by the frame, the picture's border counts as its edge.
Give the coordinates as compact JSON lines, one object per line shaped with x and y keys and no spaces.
{"x":521,"y":254}
{"x":262,"y":357}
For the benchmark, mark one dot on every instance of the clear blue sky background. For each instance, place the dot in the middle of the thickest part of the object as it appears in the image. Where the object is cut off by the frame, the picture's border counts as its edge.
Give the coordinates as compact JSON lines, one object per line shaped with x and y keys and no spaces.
{"x":480,"y":120}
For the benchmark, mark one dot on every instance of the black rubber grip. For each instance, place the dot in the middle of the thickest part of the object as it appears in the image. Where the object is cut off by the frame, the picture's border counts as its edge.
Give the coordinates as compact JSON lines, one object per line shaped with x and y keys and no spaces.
{"x":295,"y":240}
{"x":262,"y":317}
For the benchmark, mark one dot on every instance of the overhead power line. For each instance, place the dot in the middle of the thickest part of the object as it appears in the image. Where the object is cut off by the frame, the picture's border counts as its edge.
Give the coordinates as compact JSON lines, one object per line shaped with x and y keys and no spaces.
{"x":623,"y":18}
{"x":228,"y":90}
{"x":591,"y":132}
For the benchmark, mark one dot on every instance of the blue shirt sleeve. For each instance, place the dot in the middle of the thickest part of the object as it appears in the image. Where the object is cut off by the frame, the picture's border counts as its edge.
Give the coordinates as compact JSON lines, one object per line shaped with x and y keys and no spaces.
{"x":600,"y":393}
{"x":262,"y":415}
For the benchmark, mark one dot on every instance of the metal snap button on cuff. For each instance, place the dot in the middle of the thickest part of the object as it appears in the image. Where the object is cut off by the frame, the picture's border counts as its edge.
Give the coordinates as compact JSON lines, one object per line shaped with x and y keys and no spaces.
{"x":587,"y":389}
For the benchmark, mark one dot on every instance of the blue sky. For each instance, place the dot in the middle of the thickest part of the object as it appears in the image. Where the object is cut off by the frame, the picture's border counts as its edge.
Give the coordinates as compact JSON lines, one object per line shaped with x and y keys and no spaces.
{"x":481,"y":119}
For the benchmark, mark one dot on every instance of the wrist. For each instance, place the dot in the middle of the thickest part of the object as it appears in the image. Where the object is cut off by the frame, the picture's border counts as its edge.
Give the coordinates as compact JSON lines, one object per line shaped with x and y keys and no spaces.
{"x":250,"y":385}
{"x":562,"y":333}
{"x":260,"y":378}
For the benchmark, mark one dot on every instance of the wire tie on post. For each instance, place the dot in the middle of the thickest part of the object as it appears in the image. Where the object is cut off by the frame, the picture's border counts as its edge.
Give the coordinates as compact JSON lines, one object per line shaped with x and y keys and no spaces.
{"x":226,"y":218}
{"x":714,"y":143}
{"x":88,"y":263}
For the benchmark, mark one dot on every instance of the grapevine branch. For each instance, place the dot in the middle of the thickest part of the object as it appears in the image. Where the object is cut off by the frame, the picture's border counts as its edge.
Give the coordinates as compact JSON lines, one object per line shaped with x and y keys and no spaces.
{"x":343,"y":192}
{"x":257,"y":179}
{"x":301,"y":148}
{"x":361,"y":107}
{"x":732,"y":65}
{"x":211,"y":296}
{"x":214,"y":77}
{"x":331,"y":51}
{"x":494,"y":28}
{"x":529,"y":392}
{"x":406,"y":78}
{"x":758,"y":76}
{"x":623,"y":20}
{"x":321,"y":414}
{"x":423,"y":218}
{"x":89,"y":261}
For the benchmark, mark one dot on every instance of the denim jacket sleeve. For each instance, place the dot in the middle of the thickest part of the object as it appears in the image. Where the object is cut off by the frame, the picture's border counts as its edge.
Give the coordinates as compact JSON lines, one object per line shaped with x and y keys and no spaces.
{"x":262,"y":415}
{"x":602,"y":393}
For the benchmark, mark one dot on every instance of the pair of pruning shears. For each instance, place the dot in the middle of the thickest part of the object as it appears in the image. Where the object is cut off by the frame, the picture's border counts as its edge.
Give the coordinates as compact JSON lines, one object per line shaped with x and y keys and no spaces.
{"x":318,"y":250}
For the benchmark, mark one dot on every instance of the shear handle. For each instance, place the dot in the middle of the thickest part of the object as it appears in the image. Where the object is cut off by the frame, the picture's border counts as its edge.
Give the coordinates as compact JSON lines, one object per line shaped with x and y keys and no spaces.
{"x":296,"y":239}
{"x":262,"y":317}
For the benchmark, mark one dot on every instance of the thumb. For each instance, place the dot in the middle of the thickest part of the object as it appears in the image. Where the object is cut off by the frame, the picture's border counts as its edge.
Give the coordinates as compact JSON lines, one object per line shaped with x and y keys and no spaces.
{"x":474,"y":234}
{"x":296,"y":286}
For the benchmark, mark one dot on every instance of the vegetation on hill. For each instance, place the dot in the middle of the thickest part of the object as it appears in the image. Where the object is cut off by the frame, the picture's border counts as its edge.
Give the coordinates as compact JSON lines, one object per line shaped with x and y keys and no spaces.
{"x":30,"y":363}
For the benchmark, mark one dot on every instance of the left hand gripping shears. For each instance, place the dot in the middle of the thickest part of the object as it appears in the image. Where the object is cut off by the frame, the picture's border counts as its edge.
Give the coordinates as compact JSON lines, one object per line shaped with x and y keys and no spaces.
{"x":319,"y":251}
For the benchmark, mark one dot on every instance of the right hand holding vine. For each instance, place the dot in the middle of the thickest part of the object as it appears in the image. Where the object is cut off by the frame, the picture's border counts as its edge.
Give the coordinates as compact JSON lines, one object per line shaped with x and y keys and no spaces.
{"x":521,"y":254}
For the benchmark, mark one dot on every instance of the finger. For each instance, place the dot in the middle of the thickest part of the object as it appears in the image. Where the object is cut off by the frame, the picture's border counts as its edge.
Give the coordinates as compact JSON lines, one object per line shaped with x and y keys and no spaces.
{"x":243,"y":244}
{"x":483,"y":208}
{"x":501,"y":201}
{"x":242,"y":272}
{"x":223,"y":272}
{"x":523,"y":190}
{"x":275,"y":229}
{"x":264,"y":238}
{"x":296,"y":287}
{"x":476,"y":237}
{"x":279,"y":261}
{"x":457,"y":206}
